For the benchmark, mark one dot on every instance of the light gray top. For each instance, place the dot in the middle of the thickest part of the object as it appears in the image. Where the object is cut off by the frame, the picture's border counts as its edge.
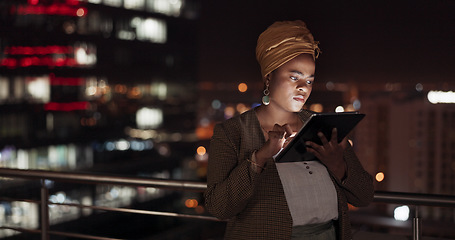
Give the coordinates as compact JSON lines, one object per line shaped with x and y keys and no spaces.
{"x":309,"y":191}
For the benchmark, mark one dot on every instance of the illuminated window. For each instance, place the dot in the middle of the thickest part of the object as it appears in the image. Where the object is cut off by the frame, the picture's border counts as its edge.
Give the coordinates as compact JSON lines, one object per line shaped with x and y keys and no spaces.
{"x":149,"y":118}
{"x":85,"y":54}
{"x":159,"y":90}
{"x":113,"y":3}
{"x":4,"y":88}
{"x":153,"y":30}
{"x":22,"y":159}
{"x":134,"y":4}
{"x":126,"y":35}
{"x":39,"y":88}
{"x":441,"y":97}
{"x":19,"y":88}
{"x":167,"y":7}
{"x":95,"y":23}
{"x":149,"y":29}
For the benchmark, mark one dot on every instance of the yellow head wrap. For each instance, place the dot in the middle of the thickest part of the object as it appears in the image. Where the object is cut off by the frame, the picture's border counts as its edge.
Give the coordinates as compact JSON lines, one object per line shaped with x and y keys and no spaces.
{"x":283,"y":41}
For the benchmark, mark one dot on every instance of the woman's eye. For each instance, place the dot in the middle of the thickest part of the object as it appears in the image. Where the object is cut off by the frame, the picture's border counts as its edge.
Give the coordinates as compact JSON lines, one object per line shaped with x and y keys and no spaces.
{"x":309,"y":82}
{"x":294,"y":78}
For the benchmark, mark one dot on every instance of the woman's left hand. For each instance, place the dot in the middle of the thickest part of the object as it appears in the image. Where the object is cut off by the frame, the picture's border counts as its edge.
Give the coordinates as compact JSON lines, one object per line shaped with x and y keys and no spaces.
{"x":330,"y":153}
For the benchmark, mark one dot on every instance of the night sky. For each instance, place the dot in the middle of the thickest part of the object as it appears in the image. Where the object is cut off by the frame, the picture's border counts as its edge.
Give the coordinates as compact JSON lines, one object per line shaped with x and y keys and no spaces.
{"x":361,"y":41}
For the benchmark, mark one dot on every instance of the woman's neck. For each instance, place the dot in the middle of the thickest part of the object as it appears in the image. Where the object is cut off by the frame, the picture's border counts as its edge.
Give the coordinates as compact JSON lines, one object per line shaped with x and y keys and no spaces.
{"x":268,"y":117}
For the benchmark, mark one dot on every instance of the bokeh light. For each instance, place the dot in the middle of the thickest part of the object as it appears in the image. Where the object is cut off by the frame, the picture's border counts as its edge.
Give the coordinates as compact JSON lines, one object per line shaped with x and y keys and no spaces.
{"x":191,"y":203}
{"x":201,"y":150}
{"x":339,"y":109}
{"x":380,"y":176}
{"x":242,"y":87}
{"x":401,"y":213}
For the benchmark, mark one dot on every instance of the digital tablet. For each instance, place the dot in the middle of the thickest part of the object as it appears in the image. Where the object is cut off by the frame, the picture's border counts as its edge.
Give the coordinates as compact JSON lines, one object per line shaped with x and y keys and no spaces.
{"x":296,"y":151}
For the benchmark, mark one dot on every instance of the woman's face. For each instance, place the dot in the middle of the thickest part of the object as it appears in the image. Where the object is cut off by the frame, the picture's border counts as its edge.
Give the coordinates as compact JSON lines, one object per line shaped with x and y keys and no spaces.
{"x":291,"y":84}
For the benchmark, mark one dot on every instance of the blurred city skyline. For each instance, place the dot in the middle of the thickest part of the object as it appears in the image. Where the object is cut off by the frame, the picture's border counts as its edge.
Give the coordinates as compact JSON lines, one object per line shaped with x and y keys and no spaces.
{"x":362,"y":42}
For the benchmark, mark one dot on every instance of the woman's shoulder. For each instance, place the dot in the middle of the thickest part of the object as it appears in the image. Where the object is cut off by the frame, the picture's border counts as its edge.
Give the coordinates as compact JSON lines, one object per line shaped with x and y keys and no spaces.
{"x":238,"y":123}
{"x":246,"y":117}
{"x":232,"y":128}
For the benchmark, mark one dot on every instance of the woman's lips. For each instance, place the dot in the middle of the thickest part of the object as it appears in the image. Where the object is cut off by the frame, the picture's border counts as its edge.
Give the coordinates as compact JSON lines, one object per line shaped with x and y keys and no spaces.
{"x":299,"y":98}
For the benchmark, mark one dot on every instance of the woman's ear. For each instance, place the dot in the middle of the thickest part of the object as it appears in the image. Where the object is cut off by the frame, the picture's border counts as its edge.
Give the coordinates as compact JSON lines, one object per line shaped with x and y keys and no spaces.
{"x":267,"y":78}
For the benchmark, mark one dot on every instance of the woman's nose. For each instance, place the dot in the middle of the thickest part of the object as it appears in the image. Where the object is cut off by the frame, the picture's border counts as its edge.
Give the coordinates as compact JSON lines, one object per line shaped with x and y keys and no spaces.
{"x":302,"y":88}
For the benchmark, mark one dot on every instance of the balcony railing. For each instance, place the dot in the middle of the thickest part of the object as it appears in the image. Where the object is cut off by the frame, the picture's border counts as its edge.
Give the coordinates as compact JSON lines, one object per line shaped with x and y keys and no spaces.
{"x":176,"y":185}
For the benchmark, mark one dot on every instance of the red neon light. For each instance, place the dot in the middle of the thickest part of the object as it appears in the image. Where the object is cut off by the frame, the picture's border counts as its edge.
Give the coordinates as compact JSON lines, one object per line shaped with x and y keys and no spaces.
{"x":39,"y":61}
{"x":54,"y":9}
{"x":39,"y":50}
{"x":26,"y":62}
{"x":66,"y":81}
{"x":66,"y":107}
{"x":70,"y":2}
{"x":9,"y":62}
{"x":33,"y":2}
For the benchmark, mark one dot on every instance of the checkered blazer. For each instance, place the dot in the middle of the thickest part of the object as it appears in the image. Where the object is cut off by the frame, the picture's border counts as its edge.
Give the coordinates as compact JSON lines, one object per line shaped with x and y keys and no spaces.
{"x":254,"y":203}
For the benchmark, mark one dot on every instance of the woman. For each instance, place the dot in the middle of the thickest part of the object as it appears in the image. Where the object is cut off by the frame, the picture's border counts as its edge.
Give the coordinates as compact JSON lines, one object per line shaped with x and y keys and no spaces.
{"x":262,"y":199}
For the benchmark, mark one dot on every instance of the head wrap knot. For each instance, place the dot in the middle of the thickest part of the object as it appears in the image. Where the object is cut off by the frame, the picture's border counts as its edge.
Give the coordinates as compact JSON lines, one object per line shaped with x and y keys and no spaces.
{"x":283,"y":41}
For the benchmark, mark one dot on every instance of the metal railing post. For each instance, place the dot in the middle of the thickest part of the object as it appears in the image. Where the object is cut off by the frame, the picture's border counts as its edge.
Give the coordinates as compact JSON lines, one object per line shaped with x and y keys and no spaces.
{"x":44,"y":211}
{"x":416,"y":225}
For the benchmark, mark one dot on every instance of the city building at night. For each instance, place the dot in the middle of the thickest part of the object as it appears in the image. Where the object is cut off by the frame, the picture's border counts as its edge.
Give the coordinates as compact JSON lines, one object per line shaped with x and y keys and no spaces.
{"x":407,"y":142}
{"x":103,"y":86}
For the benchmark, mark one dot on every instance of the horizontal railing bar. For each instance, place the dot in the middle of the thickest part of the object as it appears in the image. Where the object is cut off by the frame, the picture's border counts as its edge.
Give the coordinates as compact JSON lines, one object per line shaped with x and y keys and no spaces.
{"x":388,"y":197}
{"x":103,"y":179}
{"x":18,"y":229}
{"x":415,"y":199}
{"x":78,"y":235}
{"x":145,"y":212}
{"x":65,"y":234}
{"x":7,"y":199}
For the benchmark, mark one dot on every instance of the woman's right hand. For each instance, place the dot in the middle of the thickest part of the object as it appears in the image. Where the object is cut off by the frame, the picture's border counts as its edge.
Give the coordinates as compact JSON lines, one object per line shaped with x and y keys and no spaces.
{"x":277,"y":139}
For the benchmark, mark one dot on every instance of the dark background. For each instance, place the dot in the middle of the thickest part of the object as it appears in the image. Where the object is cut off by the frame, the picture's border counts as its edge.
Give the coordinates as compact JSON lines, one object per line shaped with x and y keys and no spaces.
{"x":361,"y":41}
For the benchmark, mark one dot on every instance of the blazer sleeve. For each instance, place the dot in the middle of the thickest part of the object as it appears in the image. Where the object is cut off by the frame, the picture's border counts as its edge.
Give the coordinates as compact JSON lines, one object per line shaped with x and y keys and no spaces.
{"x":358,"y":183}
{"x":230,"y":181}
